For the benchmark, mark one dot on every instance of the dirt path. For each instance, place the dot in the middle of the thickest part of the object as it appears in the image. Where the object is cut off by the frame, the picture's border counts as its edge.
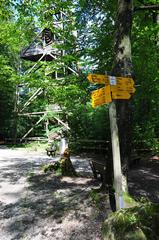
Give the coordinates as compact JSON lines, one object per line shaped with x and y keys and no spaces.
{"x":144,"y":179}
{"x":48,"y":207}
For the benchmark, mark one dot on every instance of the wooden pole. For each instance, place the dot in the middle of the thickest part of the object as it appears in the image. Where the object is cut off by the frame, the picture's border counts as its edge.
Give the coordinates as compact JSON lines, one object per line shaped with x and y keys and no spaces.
{"x":47,"y":128}
{"x":15,"y":126}
{"x":116,"y":156}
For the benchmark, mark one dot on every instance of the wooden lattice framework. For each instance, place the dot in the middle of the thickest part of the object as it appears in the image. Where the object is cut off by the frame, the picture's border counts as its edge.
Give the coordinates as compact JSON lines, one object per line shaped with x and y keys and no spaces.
{"x":59,"y":20}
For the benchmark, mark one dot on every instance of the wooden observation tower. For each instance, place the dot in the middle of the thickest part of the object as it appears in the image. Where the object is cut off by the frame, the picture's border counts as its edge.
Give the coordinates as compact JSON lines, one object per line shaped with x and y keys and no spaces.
{"x":43,"y":48}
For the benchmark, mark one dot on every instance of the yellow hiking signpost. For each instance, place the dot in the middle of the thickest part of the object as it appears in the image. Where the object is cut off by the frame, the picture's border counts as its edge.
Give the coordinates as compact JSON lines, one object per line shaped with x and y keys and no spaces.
{"x":125,"y":84}
{"x":101,"y":96}
{"x":115,"y":88}
{"x":98,"y":78}
{"x":121,"y":95}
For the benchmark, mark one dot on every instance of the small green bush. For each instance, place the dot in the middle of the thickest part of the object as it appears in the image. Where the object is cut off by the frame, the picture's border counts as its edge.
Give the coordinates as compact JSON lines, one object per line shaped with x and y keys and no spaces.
{"x":52,"y":167}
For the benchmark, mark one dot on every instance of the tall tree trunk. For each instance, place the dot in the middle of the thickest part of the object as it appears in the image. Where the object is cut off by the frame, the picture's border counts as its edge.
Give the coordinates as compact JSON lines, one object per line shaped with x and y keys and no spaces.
{"x":123,"y":67}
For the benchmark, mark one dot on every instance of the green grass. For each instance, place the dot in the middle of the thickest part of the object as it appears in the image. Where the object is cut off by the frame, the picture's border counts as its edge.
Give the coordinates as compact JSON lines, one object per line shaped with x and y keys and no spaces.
{"x":128,"y":200}
{"x":32,"y":146}
{"x":30,"y":175}
{"x":98,"y":197}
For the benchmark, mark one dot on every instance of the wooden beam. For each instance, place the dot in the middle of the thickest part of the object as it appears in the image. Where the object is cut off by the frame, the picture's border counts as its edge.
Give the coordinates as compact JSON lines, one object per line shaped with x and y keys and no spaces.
{"x":38,"y":113}
{"x":89,"y":141}
{"x":32,"y":98}
{"x":72,"y":70}
{"x":29,"y":71}
{"x":37,"y":139}
{"x":62,"y":123}
{"x":147,"y":7}
{"x":61,"y":21}
{"x":31,"y":129}
{"x":33,"y":113}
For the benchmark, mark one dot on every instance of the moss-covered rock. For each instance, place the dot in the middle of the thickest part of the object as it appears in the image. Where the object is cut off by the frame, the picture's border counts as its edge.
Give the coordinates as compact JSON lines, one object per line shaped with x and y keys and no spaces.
{"x":137,"y":223}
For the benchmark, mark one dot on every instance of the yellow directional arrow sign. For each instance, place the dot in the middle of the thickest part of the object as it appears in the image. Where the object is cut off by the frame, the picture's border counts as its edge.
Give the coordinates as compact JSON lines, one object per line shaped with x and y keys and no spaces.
{"x":131,"y":89}
{"x":101,"y":96}
{"x":120,"y":87}
{"x":120,"y":95}
{"x":123,"y":84}
{"x":98,"y":78}
{"x":125,"y":80}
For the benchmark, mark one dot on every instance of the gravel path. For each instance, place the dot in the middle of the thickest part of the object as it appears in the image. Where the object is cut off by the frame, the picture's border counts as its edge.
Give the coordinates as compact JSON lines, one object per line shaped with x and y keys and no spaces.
{"x":48,"y":207}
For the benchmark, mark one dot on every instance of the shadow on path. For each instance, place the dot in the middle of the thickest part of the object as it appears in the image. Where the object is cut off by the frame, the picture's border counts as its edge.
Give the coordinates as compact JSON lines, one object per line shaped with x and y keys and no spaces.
{"x":53,"y":201}
{"x":144,"y":179}
{"x":47,"y":206}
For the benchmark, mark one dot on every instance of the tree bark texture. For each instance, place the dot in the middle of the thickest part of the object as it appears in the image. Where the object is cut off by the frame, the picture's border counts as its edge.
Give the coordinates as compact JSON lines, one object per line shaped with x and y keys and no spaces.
{"x":123,"y":67}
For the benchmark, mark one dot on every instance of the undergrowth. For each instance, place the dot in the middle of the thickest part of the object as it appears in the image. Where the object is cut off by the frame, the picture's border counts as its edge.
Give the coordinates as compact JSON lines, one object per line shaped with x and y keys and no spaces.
{"x":56,"y":167}
{"x":98,"y":197}
{"x":136,"y":223}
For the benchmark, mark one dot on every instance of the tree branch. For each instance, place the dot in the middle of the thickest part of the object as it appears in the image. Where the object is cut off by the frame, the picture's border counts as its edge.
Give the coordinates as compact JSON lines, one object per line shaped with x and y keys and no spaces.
{"x":147,"y":7}
{"x":141,"y":1}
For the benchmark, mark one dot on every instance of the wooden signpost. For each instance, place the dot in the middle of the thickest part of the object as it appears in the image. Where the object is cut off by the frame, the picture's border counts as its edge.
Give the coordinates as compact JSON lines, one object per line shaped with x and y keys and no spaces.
{"x":116,"y":156}
{"x":115,"y":88}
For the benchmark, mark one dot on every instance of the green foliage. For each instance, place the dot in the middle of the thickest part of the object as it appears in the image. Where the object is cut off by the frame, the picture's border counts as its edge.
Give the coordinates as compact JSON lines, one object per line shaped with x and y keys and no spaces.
{"x":99,"y":198}
{"x":96,"y":26}
{"x":98,"y":47}
{"x":30,"y":176}
{"x":92,"y":50}
{"x":7,"y":71}
{"x":95,"y":196}
{"x":142,"y":220}
{"x":47,"y":168}
{"x":56,"y":167}
{"x":128,"y":200}
{"x":145,"y":57}
{"x":36,"y":146}
{"x":89,"y":124}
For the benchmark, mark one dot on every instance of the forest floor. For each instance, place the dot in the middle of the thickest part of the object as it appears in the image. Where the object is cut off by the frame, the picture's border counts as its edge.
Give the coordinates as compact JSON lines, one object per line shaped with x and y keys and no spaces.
{"x":50,"y":207}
